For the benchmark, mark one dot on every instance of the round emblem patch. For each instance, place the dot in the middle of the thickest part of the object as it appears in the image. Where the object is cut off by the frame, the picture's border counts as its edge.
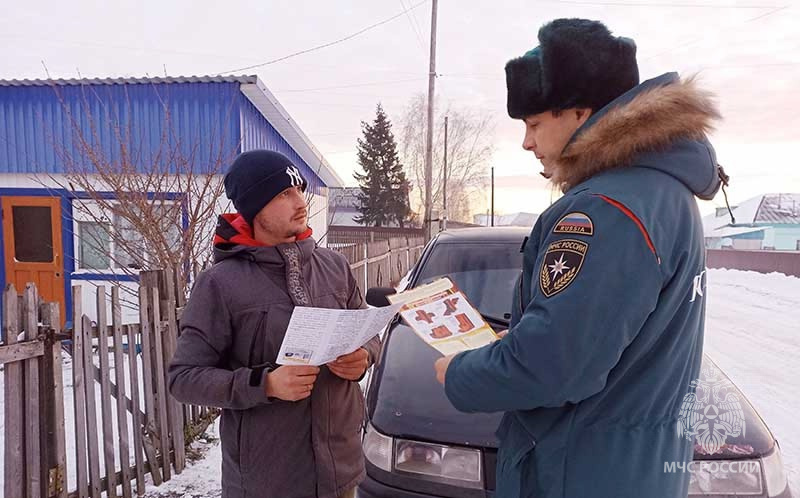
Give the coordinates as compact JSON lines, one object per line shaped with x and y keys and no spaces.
{"x":562,"y":262}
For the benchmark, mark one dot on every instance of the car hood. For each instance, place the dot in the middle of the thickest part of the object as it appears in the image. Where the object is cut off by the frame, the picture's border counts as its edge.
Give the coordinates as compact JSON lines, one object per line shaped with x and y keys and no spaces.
{"x":406,"y":401}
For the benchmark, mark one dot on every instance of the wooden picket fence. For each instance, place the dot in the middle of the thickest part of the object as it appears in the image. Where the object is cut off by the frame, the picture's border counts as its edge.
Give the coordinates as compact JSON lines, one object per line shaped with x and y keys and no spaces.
{"x":125,"y":424}
{"x":383,"y":263}
{"x":130,"y":428}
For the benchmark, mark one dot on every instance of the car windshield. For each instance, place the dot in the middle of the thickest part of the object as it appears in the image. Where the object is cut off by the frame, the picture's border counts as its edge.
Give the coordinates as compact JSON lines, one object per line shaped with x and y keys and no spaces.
{"x":485,"y":272}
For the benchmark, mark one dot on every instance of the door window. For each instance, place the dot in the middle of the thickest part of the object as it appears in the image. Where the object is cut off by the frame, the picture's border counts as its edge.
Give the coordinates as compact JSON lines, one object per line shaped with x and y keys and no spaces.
{"x":33,"y":234}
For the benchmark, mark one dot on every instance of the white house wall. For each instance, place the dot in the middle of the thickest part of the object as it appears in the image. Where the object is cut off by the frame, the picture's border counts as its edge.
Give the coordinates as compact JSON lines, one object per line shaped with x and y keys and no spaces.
{"x":25,"y":180}
{"x":128,"y":294}
{"x":318,"y":217}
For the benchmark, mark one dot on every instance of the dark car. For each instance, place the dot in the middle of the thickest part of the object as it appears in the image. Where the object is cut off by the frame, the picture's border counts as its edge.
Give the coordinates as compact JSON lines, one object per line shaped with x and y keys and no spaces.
{"x":417,"y":445}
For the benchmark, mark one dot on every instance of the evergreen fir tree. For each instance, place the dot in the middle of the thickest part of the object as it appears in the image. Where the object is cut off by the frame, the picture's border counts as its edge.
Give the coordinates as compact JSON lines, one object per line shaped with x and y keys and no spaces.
{"x":384,"y":188}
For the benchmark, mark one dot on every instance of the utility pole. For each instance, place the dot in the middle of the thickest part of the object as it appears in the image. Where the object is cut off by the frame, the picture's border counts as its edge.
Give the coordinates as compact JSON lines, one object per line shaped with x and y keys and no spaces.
{"x":492,"y":195}
{"x":429,"y":144}
{"x":444,"y":187}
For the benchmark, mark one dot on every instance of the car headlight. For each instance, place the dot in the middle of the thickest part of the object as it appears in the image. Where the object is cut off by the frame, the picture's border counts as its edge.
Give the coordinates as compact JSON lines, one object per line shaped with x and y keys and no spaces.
{"x":725,"y":477}
{"x":439,"y":463}
{"x":427,"y":461}
{"x":378,"y":448}
{"x":774,"y":472}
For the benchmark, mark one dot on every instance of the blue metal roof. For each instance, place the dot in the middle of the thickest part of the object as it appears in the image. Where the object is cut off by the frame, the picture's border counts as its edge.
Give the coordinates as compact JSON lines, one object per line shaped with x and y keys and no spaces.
{"x":131,"y":81}
{"x":132,"y":124}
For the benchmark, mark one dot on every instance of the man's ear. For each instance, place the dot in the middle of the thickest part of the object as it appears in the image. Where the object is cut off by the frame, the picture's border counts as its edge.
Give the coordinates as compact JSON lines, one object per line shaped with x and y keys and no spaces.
{"x":582,"y":114}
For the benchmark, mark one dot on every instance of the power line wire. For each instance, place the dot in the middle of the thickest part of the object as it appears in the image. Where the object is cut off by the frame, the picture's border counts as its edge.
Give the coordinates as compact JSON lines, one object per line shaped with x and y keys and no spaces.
{"x":355,"y":85}
{"x":774,"y":11}
{"x":325,"y":45}
{"x":414,"y":27}
{"x":699,"y":39}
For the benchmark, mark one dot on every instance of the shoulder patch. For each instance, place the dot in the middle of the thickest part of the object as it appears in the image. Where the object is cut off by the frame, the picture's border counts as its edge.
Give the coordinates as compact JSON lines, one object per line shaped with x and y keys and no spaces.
{"x":575,"y":223}
{"x":561,"y":264}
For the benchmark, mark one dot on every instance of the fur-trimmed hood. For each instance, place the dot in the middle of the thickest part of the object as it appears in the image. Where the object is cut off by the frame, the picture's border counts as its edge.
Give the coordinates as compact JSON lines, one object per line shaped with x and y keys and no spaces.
{"x":662,"y":117}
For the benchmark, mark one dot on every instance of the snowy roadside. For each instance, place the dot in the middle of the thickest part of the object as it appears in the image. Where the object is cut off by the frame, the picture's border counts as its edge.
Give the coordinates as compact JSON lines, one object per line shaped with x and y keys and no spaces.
{"x":753,"y":334}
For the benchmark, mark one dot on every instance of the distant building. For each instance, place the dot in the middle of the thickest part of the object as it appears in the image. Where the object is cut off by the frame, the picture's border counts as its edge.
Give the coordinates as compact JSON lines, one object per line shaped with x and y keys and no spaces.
{"x":343,"y":206}
{"x":507,"y":220}
{"x":766,"y":222}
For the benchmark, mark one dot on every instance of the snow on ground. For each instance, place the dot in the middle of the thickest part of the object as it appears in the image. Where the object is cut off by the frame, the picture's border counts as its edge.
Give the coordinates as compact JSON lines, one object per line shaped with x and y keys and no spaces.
{"x":200,"y":478}
{"x":752,"y":333}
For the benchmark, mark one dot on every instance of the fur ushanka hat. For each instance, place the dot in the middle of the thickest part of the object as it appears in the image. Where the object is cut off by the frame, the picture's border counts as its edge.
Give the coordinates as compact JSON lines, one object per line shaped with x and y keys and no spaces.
{"x":578,"y":63}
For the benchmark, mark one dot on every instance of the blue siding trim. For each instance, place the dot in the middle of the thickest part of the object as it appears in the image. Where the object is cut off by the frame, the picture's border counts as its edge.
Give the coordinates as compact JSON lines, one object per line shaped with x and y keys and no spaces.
{"x":127,"y":125}
{"x":68,"y":194}
{"x":68,"y":246}
{"x":104,"y":277}
{"x":167,"y":196}
{"x":2,"y":276}
{"x":258,"y":133}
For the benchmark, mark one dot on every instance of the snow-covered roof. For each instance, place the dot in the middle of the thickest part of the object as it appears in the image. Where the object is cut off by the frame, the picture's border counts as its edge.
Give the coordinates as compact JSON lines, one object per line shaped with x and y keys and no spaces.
{"x":745,"y":214}
{"x":766,"y":209}
{"x":779,"y":208}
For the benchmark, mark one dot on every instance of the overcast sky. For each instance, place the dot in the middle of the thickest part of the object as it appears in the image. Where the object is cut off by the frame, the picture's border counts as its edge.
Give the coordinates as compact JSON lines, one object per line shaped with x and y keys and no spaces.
{"x":748,"y":52}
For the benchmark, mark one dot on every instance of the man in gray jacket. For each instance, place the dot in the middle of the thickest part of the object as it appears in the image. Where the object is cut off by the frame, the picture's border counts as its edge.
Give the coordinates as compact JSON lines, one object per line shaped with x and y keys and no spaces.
{"x":286,"y":431}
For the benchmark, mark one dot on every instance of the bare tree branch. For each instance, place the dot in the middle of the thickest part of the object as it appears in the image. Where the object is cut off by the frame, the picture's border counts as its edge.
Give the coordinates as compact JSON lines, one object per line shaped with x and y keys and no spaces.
{"x":152,"y":197}
{"x":469,"y":144}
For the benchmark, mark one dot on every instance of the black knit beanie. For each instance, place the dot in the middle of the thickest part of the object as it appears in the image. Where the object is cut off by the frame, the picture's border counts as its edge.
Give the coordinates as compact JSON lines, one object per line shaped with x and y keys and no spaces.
{"x":578,"y":63}
{"x":256,"y":177}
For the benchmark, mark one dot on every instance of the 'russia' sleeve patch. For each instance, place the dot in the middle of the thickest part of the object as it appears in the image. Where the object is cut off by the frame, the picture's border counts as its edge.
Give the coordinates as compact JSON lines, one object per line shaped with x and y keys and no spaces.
{"x":562,"y":262}
{"x":576,"y":224}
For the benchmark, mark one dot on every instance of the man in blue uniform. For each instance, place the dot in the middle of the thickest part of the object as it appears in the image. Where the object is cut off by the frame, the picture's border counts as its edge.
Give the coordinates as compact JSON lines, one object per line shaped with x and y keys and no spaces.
{"x":607,"y":324}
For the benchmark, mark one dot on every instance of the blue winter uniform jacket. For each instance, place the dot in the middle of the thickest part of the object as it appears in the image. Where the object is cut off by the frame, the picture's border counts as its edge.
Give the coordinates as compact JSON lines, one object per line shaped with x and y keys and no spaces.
{"x":607,"y":324}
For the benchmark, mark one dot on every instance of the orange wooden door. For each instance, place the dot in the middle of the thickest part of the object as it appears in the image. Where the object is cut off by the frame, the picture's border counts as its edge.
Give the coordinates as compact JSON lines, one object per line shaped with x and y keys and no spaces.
{"x":33,"y":249}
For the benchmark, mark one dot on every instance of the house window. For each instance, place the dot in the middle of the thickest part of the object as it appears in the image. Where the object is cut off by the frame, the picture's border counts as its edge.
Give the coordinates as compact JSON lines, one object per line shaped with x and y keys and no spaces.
{"x":95,"y":245}
{"x":130,"y":247}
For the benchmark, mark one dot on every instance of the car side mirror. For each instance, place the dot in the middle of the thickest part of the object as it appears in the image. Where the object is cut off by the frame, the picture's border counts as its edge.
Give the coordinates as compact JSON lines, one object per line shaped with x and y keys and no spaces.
{"x":378,"y":296}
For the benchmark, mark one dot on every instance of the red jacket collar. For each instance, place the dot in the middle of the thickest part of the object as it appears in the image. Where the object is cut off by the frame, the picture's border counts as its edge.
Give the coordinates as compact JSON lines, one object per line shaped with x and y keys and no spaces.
{"x":233,"y":229}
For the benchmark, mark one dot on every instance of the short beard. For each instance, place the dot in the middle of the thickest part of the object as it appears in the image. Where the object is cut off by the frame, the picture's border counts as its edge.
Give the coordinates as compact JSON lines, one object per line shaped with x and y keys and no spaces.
{"x":295,"y":233}
{"x":270,"y":230}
